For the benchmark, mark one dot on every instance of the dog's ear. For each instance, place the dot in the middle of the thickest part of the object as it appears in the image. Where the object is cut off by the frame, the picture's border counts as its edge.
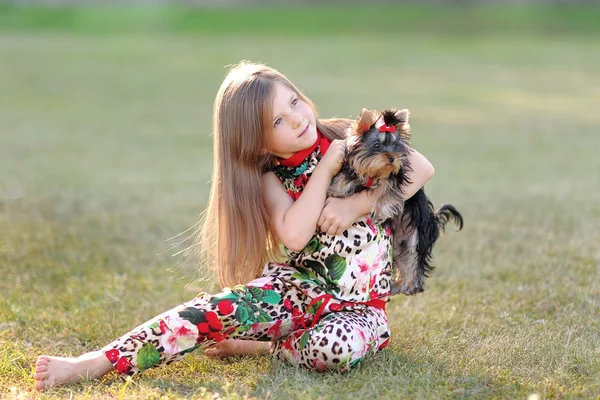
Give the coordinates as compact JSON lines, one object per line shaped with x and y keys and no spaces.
{"x":365,"y":121}
{"x":402,"y":126}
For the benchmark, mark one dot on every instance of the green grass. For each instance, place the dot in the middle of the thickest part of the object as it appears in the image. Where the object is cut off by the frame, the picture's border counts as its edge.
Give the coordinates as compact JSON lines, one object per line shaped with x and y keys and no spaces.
{"x":306,"y":20}
{"x":105,"y":153}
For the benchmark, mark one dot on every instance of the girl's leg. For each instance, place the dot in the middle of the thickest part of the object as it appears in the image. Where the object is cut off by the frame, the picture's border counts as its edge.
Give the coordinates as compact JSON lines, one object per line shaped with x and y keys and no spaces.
{"x":337,"y":342}
{"x":265,"y":309}
{"x":237,"y":347}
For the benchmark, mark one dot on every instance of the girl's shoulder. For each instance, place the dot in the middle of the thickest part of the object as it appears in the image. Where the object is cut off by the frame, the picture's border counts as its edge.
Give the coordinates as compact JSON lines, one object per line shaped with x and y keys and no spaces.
{"x":269,"y":177}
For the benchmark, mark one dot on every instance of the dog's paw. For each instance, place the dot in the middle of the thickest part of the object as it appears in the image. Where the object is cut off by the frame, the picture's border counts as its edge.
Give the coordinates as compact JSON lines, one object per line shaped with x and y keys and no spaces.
{"x":411,"y":290}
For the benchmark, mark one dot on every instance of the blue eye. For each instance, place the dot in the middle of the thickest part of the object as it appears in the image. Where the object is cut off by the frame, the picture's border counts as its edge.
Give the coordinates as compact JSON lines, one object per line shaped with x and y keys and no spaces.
{"x":278,"y":121}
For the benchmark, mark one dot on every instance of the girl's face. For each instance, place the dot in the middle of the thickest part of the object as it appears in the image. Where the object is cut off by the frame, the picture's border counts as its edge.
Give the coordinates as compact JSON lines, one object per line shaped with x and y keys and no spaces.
{"x":294,"y":123}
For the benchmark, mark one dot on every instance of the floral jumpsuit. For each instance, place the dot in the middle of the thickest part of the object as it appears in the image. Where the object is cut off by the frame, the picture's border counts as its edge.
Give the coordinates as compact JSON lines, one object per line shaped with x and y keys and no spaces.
{"x":324,"y":308}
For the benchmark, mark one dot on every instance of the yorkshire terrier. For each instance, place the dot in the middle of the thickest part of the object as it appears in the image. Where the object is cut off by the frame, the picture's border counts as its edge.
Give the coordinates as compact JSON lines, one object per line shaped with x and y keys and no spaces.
{"x":377,"y":150}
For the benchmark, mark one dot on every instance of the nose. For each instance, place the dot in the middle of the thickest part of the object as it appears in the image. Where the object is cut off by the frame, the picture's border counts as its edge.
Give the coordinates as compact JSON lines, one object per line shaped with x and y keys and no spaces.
{"x":391,"y":159}
{"x":297,"y":118}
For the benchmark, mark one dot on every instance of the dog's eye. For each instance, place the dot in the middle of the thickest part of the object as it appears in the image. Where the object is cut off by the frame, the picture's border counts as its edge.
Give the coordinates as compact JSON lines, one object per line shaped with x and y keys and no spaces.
{"x":377,"y":145}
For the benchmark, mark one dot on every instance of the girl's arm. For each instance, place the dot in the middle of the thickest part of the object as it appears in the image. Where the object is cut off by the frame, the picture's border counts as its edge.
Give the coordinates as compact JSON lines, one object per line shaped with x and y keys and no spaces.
{"x":295,"y":222}
{"x":339,"y":214}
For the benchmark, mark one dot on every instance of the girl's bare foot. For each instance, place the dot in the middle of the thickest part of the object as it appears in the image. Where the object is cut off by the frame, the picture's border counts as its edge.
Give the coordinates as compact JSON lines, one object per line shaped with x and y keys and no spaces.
{"x":54,"y":371}
{"x":231,"y":348}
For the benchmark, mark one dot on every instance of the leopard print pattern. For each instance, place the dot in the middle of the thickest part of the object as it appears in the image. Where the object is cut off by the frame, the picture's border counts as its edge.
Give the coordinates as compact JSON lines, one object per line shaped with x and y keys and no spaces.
{"x":314,"y":308}
{"x":337,"y":342}
{"x":355,"y":265}
{"x":279,"y":307}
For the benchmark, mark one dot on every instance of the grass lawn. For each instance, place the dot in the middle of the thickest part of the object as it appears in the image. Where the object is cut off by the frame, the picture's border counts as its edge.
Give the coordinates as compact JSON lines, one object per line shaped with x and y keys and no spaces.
{"x":105,"y":152}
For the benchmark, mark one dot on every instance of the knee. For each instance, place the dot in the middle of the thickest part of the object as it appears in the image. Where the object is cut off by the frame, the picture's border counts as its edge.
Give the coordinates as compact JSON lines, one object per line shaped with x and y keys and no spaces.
{"x":339,"y":349}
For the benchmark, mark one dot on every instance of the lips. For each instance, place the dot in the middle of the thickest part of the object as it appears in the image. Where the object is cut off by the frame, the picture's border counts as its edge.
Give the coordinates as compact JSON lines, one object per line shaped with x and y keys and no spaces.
{"x":305,"y":130}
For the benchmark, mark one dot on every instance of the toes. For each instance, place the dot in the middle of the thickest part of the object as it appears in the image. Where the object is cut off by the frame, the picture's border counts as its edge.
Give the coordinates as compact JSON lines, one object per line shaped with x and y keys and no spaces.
{"x":42,"y":385}
{"x":40,"y":376}
{"x":41,"y":368}
{"x":42,"y":361}
{"x":213,"y":353}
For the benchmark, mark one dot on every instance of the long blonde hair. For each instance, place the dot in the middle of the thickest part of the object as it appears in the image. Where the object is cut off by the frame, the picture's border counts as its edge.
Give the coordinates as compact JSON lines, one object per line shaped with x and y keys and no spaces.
{"x":236,"y":236}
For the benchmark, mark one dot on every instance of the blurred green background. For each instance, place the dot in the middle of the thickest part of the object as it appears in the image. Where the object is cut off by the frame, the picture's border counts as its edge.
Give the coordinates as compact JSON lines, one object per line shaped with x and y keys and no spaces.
{"x":105,"y":153}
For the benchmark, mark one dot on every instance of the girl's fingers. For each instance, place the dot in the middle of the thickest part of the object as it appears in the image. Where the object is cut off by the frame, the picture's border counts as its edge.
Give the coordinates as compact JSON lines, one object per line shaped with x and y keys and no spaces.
{"x":321,"y":221}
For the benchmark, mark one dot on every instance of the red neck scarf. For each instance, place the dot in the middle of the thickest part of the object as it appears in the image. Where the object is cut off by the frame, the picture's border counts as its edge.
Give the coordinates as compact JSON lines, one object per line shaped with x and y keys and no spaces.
{"x":300,"y":156}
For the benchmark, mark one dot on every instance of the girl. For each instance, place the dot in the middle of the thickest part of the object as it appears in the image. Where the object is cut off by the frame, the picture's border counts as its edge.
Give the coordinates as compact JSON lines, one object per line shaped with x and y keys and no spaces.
{"x":322,"y":306}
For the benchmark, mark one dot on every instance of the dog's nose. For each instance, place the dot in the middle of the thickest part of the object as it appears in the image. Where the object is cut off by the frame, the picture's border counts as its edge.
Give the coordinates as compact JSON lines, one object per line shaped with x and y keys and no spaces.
{"x":391,"y":158}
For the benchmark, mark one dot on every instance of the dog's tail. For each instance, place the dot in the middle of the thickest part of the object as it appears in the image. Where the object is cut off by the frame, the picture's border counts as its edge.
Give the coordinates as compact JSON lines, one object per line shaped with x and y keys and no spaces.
{"x":446,"y":213}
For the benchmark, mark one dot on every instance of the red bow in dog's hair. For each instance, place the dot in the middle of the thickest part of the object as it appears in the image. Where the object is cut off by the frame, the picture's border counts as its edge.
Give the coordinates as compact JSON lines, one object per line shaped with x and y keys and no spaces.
{"x":385,"y":128}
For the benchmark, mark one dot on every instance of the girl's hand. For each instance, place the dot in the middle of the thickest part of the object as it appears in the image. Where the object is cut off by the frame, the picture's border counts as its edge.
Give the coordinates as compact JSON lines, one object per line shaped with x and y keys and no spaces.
{"x":338,"y":215}
{"x":334,"y":158}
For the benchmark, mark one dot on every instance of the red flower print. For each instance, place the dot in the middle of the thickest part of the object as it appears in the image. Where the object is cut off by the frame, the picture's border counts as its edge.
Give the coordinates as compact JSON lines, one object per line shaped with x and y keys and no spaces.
{"x":203,"y":328}
{"x":373,"y":280}
{"x":123,"y":365}
{"x":371,"y":226}
{"x":211,"y":316}
{"x":216,"y":336}
{"x":215,"y":325}
{"x":299,"y":181}
{"x":296,"y":312}
{"x":335,"y":307}
{"x":297,"y":323}
{"x":180,"y":334}
{"x":364,"y":267}
{"x":267,"y":287}
{"x":225,"y":307}
{"x":287,"y":344}
{"x":275,"y":330}
{"x":112,"y":355}
{"x":163,"y":326}
{"x":373,"y":295}
{"x":287,"y":304}
{"x":388,"y":229}
{"x":297,"y":319}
